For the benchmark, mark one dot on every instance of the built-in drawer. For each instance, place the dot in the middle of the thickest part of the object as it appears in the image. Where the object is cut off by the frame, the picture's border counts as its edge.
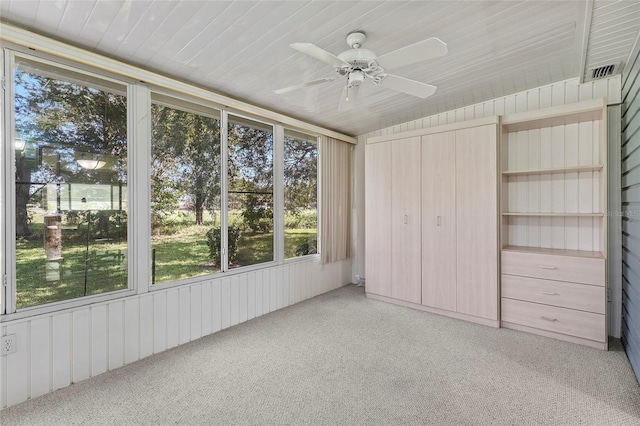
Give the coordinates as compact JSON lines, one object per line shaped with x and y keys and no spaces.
{"x":554,"y":267}
{"x":557,"y":293}
{"x":586,"y":325}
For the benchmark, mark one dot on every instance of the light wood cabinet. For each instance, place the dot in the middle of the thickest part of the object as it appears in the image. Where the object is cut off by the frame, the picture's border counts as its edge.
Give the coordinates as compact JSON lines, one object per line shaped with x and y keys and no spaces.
{"x":378,"y":224}
{"x":554,"y":222}
{"x":439,"y":221}
{"x":444,"y":220}
{"x":405,"y":220}
{"x":476,"y":218}
{"x":393,"y":225}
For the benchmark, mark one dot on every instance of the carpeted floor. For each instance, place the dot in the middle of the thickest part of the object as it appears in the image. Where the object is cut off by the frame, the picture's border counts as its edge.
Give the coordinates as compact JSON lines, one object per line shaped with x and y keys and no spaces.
{"x":343,"y":359}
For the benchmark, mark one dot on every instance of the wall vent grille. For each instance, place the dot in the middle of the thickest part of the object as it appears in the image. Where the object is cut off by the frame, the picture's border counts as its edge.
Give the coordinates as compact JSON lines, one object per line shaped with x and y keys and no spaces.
{"x":602,"y":72}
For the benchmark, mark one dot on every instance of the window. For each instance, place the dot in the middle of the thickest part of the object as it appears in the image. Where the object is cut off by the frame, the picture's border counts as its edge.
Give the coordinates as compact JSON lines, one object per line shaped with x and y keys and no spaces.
{"x":250,"y":194}
{"x":300,"y":194}
{"x":185,"y":190}
{"x":70,"y":140}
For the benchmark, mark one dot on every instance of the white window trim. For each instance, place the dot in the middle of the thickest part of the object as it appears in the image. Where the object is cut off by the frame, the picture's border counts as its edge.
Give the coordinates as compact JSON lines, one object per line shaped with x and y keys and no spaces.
{"x":9,"y":308}
{"x":15,"y":40}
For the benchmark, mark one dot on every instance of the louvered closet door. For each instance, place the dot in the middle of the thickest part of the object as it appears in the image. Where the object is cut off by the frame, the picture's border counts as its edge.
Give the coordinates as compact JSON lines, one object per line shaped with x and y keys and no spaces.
{"x":477,"y":226}
{"x":405,"y":220}
{"x":378,"y":218}
{"x":439,"y":221}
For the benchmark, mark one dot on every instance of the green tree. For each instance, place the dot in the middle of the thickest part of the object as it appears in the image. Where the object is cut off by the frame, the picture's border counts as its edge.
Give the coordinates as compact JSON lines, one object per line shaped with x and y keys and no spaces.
{"x":60,"y":119}
{"x":186,"y":160}
{"x":300,"y":175}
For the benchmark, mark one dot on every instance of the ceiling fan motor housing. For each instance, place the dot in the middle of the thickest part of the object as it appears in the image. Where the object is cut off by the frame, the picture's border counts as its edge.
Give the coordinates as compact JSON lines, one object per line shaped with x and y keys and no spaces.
{"x":358,"y":58}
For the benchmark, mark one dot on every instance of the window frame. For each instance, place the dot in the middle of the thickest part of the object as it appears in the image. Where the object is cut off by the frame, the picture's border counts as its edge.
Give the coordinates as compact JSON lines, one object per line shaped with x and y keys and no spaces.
{"x":278,"y":229}
{"x":139,"y":83}
{"x":8,"y":308}
{"x":317,"y":144}
{"x":200,"y":107}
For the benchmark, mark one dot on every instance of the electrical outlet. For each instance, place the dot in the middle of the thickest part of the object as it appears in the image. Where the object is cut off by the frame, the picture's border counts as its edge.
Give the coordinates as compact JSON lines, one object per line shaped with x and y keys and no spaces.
{"x":8,"y":345}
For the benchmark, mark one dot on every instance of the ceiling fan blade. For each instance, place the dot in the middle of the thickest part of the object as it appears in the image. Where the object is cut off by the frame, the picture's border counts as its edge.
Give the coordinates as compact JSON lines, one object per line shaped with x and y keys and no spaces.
{"x":302,"y":85}
{"x":349,"y":99}
{"x":319,"y":53}
{"x":421,"y":51}
{"x":410,"y":87}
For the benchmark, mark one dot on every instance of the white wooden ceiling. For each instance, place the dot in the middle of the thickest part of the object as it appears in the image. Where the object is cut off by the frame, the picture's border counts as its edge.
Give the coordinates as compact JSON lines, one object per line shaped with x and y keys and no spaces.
{"x":241,"y":48}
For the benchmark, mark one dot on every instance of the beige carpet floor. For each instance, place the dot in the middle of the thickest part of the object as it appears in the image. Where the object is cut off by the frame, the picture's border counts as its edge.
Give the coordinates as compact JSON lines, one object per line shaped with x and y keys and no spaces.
{"x":343,"y":359}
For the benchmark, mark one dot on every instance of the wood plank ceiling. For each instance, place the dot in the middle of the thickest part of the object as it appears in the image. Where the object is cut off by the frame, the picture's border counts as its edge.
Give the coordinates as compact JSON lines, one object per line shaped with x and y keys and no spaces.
{"x":241,"y":48}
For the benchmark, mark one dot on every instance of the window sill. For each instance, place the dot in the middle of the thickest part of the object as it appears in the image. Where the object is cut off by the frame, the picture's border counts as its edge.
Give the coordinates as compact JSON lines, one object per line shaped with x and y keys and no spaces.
{"x":72,"y":304}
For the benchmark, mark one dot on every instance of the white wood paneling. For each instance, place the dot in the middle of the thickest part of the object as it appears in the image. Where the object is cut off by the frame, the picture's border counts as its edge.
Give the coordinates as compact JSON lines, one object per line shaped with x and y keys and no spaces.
{"x":184,"y":315}
{"x":146,"y":326}
{"x":39,"y":346}
{"x":55,"y":350}
{"x":116,"y":335}
{"x":61,"y":350}
{"x":131,"y":330}
{"x":17,"y":366}
{"x":173,"y":318}
{"x":160,"y":318}
{"x":196,"y":312}
{"x":99,"y":340}
{"x":81,"y":349}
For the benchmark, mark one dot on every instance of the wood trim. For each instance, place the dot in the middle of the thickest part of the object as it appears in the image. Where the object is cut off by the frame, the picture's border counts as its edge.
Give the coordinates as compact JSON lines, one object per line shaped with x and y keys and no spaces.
{"x":577,"y":169}
{"x":552,"y":214}
{"x":450,"y":314}
{"x":22,"y":37}
{"x":583,"y":38}
{"x":555,"y":252}
{"x":551,"y":334}
{"x":494,"y":119}
{"x":555,"y":116}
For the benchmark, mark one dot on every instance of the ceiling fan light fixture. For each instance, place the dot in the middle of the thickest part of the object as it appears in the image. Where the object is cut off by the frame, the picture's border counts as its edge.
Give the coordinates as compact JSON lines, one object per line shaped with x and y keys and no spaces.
{"x":355,"y":78}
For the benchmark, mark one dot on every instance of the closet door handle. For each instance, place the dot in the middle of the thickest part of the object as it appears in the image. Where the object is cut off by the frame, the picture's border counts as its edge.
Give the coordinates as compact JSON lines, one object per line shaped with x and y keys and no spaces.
{"x":439,"y":220}
{"x":406,"y":219}
{"x":547,"y":318}
{"x":548,"y":267}
{"x":550,"y":293}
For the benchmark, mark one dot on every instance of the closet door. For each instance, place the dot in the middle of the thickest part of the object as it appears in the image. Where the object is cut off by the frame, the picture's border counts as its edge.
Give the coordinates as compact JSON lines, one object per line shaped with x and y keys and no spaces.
{"x":439,"y":221}
{"x":477,"y":224}
{"x":405,"y":220}
{"x":378,"y":218}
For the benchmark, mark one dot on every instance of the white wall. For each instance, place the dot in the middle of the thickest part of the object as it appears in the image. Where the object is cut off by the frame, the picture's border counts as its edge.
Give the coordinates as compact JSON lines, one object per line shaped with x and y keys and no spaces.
{"x":60,"y":348}
{"x":564,"y":92}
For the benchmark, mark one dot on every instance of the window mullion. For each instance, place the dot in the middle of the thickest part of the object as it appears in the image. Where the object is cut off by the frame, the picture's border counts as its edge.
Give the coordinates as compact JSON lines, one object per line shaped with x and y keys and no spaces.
{"x":139,"y":136}
{"x":224,"y":187}
{"x":278,"y":189}
{"x":7,"y":232}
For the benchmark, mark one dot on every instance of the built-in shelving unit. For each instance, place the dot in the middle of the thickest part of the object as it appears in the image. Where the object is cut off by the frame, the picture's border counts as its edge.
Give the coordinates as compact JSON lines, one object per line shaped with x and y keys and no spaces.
{"x":553,"y":167}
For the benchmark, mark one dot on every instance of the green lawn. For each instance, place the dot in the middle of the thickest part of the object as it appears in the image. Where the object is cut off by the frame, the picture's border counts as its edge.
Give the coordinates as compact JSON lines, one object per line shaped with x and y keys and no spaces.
{"x":182,"y":254}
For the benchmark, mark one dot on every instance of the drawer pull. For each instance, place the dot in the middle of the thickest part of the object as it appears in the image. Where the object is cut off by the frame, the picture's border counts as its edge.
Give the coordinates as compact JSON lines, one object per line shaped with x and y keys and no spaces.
{"x":550,"y":293}
{"x":547,"y":318}
{"x":548,"y":267}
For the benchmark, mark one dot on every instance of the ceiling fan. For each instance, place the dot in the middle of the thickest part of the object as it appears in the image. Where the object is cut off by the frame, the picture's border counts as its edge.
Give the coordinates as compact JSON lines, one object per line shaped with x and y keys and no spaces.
{"x":358,"y":64}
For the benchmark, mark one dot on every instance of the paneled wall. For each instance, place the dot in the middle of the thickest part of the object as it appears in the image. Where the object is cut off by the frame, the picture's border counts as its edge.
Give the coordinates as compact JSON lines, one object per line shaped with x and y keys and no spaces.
{"x":57,"y":349}
{"x":631,"y":218}
{"x":564,"y":92}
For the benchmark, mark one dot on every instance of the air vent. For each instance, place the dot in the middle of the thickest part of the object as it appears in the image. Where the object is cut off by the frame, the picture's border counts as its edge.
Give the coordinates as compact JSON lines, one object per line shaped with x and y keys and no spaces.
{"x":602,"y":72}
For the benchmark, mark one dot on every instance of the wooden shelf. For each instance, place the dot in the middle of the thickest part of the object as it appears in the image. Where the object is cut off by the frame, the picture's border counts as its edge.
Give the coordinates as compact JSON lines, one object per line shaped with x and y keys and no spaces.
{"x":558,"y":252}
{"x":552,"y":214}
{"x":554,"y":116}
{"x":557,"y":170}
